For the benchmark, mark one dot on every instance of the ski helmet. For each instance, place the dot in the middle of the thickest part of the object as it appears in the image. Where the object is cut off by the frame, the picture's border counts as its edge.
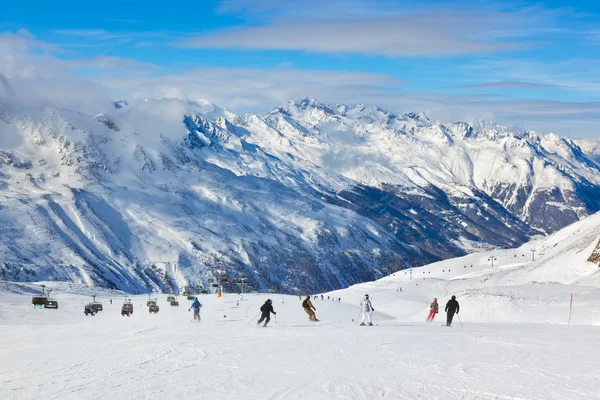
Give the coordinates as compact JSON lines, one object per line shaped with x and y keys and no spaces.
{"x":366,"y":296}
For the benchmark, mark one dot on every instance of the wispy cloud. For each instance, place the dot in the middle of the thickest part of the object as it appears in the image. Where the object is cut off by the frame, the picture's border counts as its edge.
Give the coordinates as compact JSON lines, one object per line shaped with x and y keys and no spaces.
{"x":82,"y":32}
{"x":434,"y":34}
{"x":508,"y":85}
{"x":102,"y":62}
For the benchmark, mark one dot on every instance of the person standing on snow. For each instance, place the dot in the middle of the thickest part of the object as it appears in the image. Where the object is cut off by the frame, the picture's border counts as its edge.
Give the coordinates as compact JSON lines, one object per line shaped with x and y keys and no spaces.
{"x":266,"y":310}
{"x":308,"y":308}
{"x":196,"y":306}
{"x":452,"y":307}
{"x":434,"y":308}
{"x":367,"y":309}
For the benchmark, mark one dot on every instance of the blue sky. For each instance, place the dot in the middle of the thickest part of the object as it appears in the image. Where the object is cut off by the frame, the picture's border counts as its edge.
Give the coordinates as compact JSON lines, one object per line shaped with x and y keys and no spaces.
{"x":531,"y":64}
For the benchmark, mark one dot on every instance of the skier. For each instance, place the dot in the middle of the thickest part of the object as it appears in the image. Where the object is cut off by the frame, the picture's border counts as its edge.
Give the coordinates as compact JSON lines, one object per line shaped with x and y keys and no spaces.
{"x":322,"y":297}
{"x":368,"y":309}
{"x":434,"y":308}
{"x":110,"y":301}
{"x":196,"y":306}
{"x":452,"y":307}
{"x":308,"y":308}
{"x":266,"y":310}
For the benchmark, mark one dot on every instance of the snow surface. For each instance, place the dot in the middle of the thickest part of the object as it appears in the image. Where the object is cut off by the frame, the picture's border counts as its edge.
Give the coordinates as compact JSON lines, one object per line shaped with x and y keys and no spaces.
{"x":512,"y":340}
{"x":61,"y":354}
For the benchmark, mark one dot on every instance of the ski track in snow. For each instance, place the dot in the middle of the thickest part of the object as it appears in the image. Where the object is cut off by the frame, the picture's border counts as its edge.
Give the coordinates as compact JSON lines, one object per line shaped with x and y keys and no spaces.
{"x":61,"y":354}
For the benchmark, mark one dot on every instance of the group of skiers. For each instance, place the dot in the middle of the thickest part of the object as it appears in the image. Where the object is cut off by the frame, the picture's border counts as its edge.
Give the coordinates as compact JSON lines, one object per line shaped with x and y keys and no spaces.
{"x":452,"y":307}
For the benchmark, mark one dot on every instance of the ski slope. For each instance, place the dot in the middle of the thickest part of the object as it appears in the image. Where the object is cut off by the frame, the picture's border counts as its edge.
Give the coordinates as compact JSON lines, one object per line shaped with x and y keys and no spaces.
{"x":513,"y":339}
{"x":61,"y":354}
{"x":515,"y":288}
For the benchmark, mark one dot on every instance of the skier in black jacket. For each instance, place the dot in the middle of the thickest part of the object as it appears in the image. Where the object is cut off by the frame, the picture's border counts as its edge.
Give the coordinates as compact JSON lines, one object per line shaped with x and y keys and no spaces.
{"x":266,"y":310}
{"x":452,"y":307}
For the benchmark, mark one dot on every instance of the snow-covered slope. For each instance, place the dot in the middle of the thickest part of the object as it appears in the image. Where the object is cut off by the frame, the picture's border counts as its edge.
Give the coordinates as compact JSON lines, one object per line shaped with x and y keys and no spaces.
{"x":545,"y":181}
{"x":69,"y":356}
{"x":155,"y":195}
{"x":516,"y":288}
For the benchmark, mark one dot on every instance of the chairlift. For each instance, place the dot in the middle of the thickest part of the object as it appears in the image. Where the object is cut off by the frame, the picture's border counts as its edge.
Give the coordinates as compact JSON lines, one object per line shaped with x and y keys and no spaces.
{"x":215,"y":285}
{"x":198,"y":287}
{"x":170,"y":298}
{"x":224,"y":280}
{"x":39,"y":301}
{"x":190,"y":297}
{"x":153,"y":309}
{"x":89,"y":309}
{"x":204,"y":292}
{"x":127,"y":308}
{"x":174,"y":303}
{"x":210,"y":280}
{"x":53,"y":304}
{"x":151,"y":303}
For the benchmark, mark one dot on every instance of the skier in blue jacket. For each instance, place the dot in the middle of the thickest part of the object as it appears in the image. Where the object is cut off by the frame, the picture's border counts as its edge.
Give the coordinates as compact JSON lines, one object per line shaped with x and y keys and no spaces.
{"x":196,"y":306}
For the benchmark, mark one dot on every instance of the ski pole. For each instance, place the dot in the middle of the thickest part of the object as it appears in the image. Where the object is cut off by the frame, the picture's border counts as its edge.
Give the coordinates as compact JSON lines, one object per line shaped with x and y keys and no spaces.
{"x":253,"y":318}
{"x":358,"y":315}
{"x":459,"y":320}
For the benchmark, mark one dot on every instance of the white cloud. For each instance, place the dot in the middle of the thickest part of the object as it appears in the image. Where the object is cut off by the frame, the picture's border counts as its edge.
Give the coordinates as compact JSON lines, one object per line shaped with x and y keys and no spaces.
{"x":33,"y":79}
{"x":434,"y":34}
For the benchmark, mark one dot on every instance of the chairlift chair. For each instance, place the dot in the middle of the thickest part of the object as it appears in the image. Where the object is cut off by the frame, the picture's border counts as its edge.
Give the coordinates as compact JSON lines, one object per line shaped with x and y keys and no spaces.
{"x":89,"y":309}
{"x":127,"y":308}
{"x":153,"y":309}
{"x":53,"y":304}
{"x":170,"y":298}
{"x":38,"y":301}
{"x":174,"y":303}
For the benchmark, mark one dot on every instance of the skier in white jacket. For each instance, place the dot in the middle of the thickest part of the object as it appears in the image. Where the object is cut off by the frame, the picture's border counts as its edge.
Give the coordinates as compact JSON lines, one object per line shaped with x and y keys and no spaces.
{"x":367,"y":309}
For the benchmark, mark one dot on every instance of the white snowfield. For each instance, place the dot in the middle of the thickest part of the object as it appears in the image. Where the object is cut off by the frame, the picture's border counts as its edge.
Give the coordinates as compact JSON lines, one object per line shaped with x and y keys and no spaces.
{"x":61,"y":354}
{"x":511,"y":339}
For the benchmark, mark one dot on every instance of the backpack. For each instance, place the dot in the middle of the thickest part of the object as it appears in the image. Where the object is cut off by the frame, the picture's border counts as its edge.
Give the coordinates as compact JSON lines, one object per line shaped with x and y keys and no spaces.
{"x":305,"y":303}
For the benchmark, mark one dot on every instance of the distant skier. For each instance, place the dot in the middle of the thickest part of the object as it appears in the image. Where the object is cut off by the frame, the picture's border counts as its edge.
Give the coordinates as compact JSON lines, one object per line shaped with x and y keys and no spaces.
{"x":452,"y":307}
{"x":322,"y":297}
{"x":308,"y":308}
{"x":434,"y":308}
{"x":367,"y":309}
{"x":196,"y":306}
{"x":110,"y":301}
{"x":266,"y":310}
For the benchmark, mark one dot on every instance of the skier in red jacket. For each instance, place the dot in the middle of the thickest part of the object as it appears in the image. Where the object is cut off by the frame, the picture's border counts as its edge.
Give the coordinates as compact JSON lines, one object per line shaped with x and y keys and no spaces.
{"x":434,"y":308}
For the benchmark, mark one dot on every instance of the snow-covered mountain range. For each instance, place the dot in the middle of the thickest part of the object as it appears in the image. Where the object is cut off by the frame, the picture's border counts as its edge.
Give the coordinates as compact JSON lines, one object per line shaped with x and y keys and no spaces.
{"x":155,"y":195}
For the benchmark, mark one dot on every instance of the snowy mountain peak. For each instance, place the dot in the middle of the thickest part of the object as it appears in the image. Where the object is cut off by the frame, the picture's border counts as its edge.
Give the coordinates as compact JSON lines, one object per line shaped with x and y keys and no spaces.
{"x":418,"y":116}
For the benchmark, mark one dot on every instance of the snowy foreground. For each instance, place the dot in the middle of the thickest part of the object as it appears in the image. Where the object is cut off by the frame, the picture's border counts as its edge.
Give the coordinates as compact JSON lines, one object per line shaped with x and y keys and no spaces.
{"x":61,"y":354}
